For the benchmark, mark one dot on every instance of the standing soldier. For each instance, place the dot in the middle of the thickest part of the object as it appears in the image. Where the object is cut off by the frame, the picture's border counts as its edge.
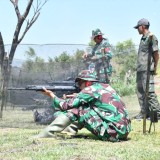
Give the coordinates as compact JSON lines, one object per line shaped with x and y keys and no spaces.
{"x":147,"y":45}
{"x":100,"y":56}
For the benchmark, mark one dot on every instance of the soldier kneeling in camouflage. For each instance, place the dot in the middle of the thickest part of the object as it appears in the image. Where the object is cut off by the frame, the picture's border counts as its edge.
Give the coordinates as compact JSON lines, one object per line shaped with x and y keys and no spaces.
{"x":97,"y":107}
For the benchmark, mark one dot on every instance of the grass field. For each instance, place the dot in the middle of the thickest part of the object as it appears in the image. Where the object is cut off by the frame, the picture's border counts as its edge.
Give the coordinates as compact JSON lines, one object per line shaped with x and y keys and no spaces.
{"x":17,"y":128}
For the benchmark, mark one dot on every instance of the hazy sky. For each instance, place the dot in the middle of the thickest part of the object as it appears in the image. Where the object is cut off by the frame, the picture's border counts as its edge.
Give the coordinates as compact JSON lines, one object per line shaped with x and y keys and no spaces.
{"x":72,"y":21}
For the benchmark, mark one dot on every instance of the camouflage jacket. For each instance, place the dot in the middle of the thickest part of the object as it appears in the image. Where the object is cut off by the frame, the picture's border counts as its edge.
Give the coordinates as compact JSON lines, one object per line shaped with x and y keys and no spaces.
{"x":101,"y":111}
{"x":97,"y":49}
{"x":103,"y":53}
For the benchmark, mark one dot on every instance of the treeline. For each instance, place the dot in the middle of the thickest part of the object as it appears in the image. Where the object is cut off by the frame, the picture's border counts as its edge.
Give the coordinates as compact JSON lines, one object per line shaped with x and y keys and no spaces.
{"x":67,"y":66}
{"x":59,"y":65}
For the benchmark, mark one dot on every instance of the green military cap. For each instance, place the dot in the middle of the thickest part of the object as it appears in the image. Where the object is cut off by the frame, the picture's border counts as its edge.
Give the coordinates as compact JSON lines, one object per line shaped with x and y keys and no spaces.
{"x":96,"y":32}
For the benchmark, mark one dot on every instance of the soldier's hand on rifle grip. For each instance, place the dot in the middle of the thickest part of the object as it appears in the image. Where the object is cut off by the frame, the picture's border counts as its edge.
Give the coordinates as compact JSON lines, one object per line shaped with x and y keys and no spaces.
{"x":64,"y":96}
{"x":69,"y":96}
{"x":48,"y":93}
{"x":85,"y":55}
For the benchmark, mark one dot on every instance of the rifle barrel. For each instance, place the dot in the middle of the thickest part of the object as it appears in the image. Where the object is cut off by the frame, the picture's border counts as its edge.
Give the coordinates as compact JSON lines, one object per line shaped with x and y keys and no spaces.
{"x":16,"y":88}
{"x":40,"y":88}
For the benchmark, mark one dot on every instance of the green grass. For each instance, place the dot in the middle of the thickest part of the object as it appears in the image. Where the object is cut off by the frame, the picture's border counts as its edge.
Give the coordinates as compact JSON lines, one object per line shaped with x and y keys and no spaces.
{"x":17,"y":128}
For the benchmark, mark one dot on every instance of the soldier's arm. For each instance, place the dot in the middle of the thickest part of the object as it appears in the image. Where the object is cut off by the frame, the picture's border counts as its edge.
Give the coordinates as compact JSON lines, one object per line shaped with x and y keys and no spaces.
{"x":107,"y":49}
{"x":155,"y":52}
{"x":74,"y":102}
{"x":48,"y":93}
{"x":156,"y":58}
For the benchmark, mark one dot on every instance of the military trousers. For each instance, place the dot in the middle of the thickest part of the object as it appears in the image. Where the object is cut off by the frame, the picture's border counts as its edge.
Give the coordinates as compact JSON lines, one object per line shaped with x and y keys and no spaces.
{"x":141,"y":93}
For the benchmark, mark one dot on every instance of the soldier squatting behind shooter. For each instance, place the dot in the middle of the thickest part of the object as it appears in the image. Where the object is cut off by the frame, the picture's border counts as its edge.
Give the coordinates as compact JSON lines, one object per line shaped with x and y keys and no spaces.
{"x":97,"y":107}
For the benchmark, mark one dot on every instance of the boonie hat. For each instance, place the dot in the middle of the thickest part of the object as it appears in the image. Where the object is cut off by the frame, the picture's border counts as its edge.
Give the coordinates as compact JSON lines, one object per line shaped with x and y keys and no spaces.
{"x":96,"y":32}
{"x":86,"y":75}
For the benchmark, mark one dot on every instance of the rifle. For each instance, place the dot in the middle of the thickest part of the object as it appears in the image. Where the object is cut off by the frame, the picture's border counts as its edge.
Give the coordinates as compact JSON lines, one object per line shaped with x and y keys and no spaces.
{"x":67,"y":89}
{"x":104,"y":65}
{"x":153,"y":114}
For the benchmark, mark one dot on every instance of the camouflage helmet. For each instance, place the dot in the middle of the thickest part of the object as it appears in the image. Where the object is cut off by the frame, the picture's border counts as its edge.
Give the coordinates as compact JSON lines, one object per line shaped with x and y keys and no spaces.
{"x":96,"y":32}
{"x":86,"y":75}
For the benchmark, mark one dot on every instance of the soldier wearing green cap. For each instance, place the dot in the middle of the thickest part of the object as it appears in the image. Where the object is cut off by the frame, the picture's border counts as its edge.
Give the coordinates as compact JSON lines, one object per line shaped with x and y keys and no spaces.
{"x":97,"y":107}
{"x":100,"y":56}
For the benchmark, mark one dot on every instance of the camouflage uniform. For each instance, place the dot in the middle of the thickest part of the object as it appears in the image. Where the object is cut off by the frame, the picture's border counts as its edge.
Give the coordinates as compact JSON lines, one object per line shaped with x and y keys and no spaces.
{"x":101,"y":51}
{"x":142,"y":74}
{"x":98,"y":108}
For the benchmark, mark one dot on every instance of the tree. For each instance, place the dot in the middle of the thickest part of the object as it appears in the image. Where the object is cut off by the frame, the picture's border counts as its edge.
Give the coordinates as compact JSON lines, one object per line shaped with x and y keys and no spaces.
{"x":6,"y":61}
{"x":78,"y":55}
{"x":90,"y":45}
{"x":39,"y":64}
{"x":33,"y":62}
{"x":64,"y":59}
{"x":76,"y":61}
{"x":125,"y":56}
{"x":28,"y":65}
{"x":30,"y":53}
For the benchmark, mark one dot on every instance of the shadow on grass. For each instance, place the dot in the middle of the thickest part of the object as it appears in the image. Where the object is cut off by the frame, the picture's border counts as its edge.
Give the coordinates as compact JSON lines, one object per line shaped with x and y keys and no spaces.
{"x":90,"y":136}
